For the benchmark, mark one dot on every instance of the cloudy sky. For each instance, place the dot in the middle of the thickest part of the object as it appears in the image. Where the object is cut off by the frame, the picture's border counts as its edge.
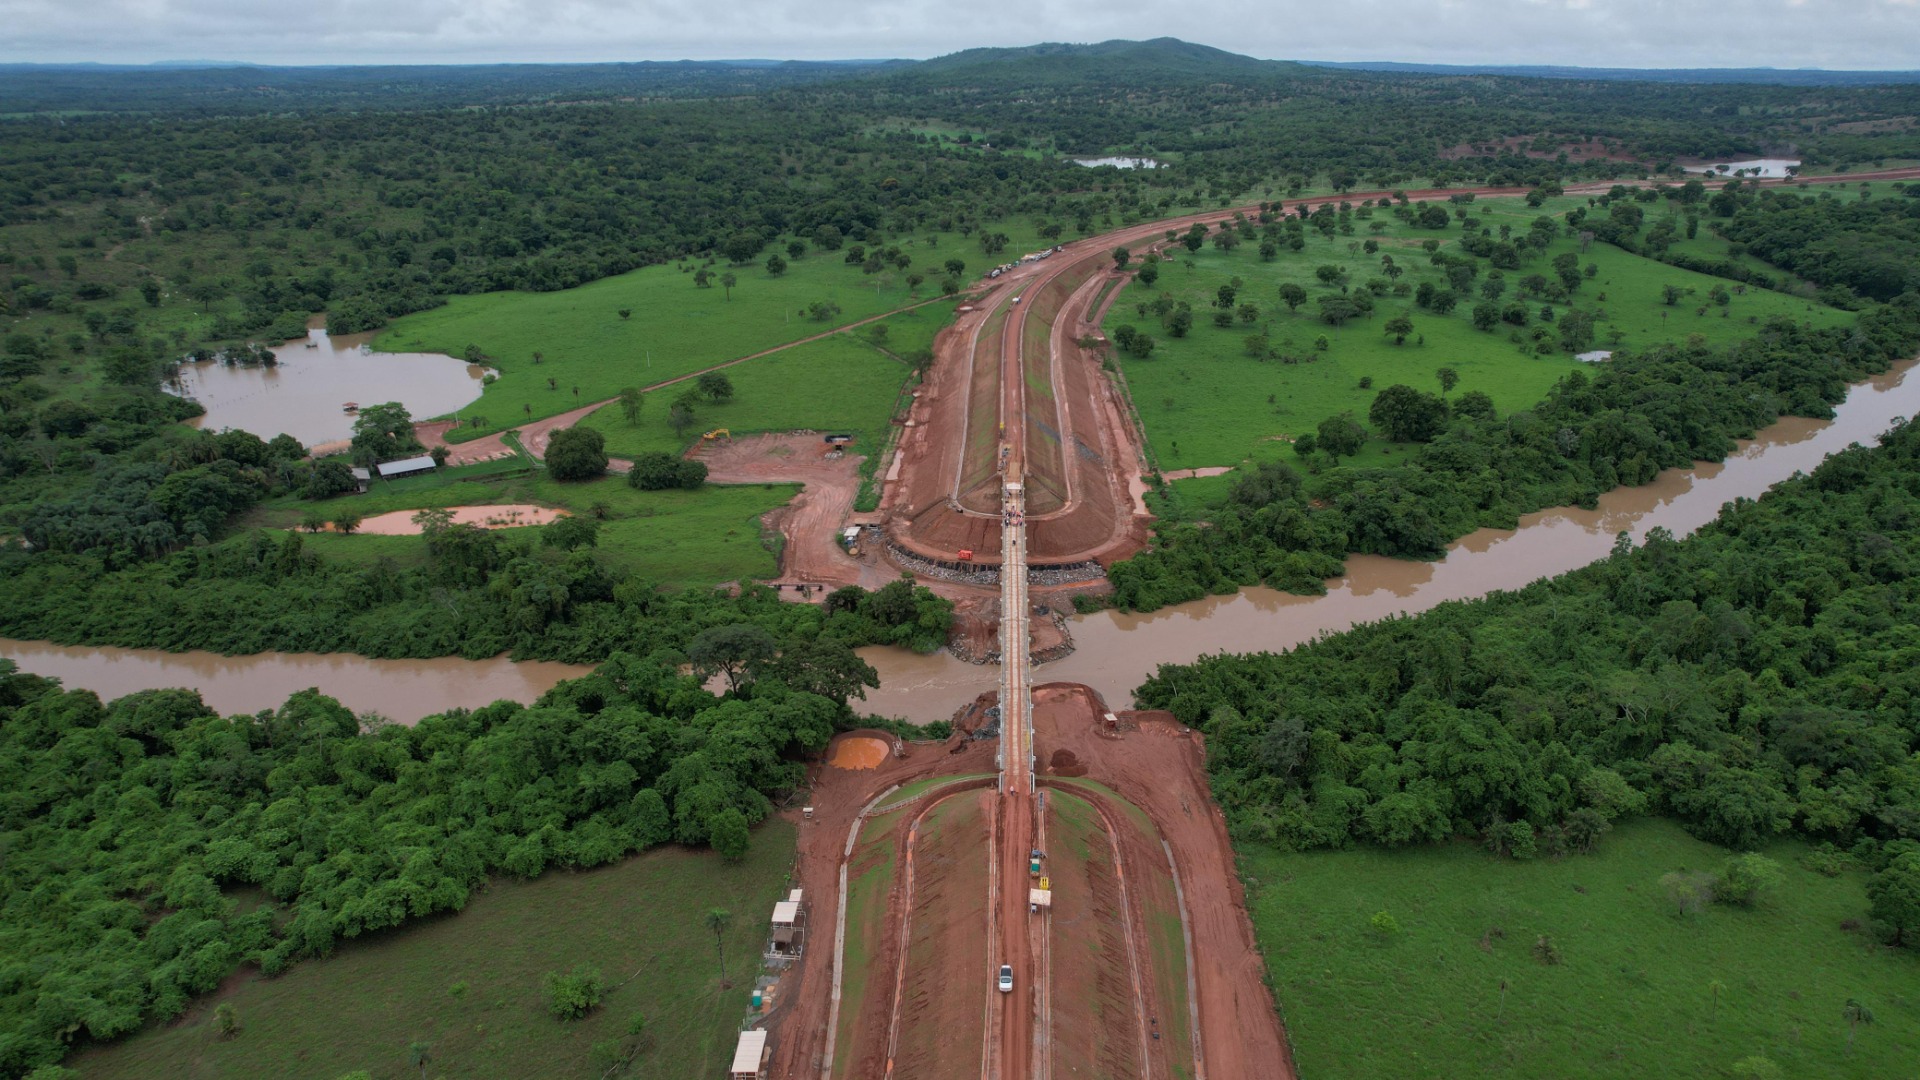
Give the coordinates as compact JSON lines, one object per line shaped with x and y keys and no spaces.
{"x":1614,"y":33}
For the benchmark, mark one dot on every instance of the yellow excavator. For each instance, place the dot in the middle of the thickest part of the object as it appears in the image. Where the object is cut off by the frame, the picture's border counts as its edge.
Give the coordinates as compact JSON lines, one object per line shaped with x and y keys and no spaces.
{"x":718,"y":433}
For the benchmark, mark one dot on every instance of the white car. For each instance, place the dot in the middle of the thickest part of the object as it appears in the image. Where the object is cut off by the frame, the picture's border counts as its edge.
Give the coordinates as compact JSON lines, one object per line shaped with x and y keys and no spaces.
{"x":1006,"y":978}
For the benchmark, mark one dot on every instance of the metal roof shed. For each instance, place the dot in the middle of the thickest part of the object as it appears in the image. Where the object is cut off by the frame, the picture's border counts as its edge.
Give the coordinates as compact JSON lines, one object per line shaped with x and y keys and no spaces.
{"x":748,"y":1053}
{"x":786,"y":913}
{"x":406,"y":467}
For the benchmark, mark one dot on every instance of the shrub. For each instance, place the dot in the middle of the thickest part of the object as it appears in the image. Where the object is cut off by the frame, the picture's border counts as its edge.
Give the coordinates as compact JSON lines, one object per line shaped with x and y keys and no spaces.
{"x":575,"y":994}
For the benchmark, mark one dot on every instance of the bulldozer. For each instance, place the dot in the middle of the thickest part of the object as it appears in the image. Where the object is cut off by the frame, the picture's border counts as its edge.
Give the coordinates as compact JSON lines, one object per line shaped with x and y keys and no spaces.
{"x":718,"y":433}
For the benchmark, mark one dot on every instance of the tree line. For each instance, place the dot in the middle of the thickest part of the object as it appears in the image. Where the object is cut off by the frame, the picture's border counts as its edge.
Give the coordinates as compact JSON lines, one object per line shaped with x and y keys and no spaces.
{"x":154,"y":846}
{"x":1751,"y":681}
{"x":1658,"y":408}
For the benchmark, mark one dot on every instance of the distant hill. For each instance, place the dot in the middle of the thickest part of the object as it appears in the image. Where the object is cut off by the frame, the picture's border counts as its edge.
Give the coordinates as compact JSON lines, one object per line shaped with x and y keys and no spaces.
{"x":1766,"y":76}
{"x":1166,"y":58}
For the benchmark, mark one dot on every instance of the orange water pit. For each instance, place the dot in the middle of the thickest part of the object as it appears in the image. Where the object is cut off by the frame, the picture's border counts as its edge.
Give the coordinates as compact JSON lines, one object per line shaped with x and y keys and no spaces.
{"x":505,"y":516}
{"x":858,"y":752}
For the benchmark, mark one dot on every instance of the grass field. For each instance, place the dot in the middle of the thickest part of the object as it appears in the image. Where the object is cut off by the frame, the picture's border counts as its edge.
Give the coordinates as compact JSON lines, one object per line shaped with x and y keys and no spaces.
{"x":1206,"y":402}
{"x":469,"y":985}
{"x":675,"y":327}
{"x":841,"y":383}
{"x":674,"y":538}
{"x":1634,"y":993}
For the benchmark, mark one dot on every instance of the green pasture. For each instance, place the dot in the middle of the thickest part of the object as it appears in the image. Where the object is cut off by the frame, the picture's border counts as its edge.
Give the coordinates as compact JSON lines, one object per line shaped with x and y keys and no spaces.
{"x":1206,"y":402}
{"x":469,"y":985}
{"x":1634,"y":994}
{"x":674,"y":538}
{"x":675,"y":327}
{"x":840,"y":383}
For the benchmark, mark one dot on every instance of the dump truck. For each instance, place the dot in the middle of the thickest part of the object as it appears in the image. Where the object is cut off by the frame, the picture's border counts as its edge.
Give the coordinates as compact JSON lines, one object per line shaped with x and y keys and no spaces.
{"x":1033,"y":862}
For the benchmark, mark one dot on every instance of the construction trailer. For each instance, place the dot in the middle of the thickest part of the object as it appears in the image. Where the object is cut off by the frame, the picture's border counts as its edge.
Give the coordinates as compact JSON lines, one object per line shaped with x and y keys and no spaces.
{"x":789,"y":936}
{"x":750,"y":1056}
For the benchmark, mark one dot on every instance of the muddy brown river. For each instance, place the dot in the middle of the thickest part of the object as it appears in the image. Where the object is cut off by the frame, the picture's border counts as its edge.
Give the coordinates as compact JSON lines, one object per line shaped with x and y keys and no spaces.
{"x":1115,"y":651}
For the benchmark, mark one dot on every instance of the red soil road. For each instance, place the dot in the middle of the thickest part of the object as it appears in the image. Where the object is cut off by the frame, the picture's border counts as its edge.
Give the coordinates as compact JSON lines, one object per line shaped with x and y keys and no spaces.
{"x":1160,"y":769}
{"x":811,"y":523}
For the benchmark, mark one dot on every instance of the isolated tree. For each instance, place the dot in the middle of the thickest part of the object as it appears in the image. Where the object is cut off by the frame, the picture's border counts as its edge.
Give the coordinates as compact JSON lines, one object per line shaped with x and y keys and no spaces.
{"x":715,"y":386}
{"x":1687,"y":892}
{"x":1744,"y":877}
{"x":1340,"y":436}
{"x":626,"y":313}
{"x":717,"y":920}
{"x":418,"y":1055}
{"x":1293,"y":296}
{"x":1855,"y":1014}
{"x":632,"y":401}
{"x":680,"y":417}
{"x":1399,"y":326}
{"x":1121,"y":257}
{"x":539,"y":358}
{"x":727,"y":282}
{"x":1449,"y":379}
{"x":577,"y":453}
{"x":1336,"y":309}
{"x":226,"y":1020}
{"x":776,"y":265}
{"x":955,"y":267}
{"x":703,"y":278}
{"x":346,"y":522}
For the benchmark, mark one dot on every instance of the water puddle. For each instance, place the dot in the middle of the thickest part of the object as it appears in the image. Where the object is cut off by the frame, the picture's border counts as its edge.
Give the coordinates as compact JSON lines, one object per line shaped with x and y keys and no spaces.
{"x":503,"y":516}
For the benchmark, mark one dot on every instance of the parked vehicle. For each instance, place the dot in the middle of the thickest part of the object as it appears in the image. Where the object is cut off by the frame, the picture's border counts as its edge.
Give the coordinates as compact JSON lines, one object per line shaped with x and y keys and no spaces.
{"x":1006,"y":978}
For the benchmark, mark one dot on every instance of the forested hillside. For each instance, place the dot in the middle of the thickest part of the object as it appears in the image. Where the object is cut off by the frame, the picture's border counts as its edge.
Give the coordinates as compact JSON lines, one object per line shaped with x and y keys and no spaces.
{"x":1755,"y":679}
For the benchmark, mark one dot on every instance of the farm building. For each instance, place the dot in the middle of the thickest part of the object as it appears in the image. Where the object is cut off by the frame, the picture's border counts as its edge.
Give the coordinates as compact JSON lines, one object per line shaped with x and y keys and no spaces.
{"x":413,"y":466}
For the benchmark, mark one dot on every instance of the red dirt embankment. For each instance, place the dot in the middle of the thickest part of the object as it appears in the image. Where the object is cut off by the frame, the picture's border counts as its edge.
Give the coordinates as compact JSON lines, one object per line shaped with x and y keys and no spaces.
{"x":838,"y":796}
{"x":1160,"y":767}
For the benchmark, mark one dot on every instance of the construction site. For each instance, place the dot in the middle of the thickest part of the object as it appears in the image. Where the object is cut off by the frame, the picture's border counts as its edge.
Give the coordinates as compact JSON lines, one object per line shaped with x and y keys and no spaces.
{"x":1051,"y":892}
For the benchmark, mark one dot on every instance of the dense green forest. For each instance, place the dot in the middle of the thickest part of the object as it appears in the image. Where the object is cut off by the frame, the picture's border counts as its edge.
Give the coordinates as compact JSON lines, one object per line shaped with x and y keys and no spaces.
{"x":154,"y":846}
{"x":1754,"y":679}
{"x":1658,"y":408}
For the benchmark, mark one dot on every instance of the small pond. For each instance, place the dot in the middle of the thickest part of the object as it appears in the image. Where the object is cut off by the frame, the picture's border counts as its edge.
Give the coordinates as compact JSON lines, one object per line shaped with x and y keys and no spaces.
{"x":304,"y":391}
{"x":1764,"y":168}
{"x":1118,"y":162}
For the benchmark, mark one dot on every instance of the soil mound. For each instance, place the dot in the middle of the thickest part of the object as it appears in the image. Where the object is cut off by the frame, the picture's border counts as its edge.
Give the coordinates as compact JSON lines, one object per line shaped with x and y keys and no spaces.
{"x":1064,"y":763}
